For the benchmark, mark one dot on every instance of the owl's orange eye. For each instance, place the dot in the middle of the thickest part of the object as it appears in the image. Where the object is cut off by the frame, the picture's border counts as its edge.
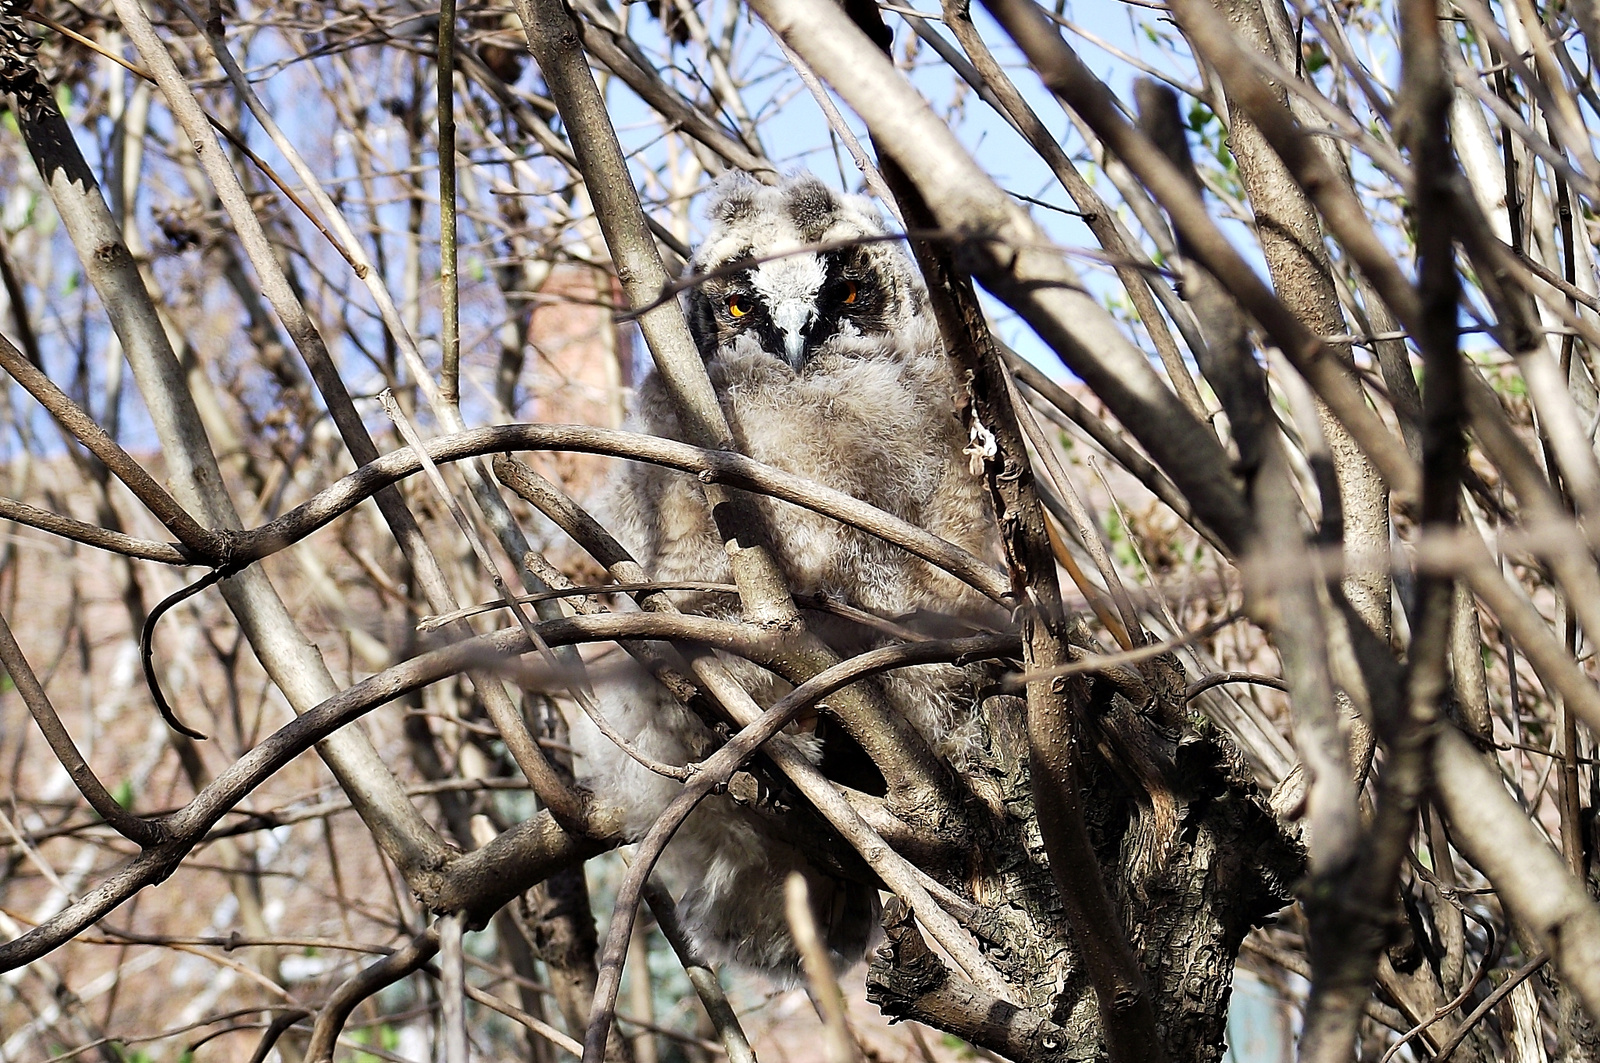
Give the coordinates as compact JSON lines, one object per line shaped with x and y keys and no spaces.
{"x":739,"y":306}
{"x":848,"y":291}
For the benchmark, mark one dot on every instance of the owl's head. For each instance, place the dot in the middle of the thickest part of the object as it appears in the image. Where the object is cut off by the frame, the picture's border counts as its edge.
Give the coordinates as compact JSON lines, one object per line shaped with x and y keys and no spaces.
{"x":793,"y":298}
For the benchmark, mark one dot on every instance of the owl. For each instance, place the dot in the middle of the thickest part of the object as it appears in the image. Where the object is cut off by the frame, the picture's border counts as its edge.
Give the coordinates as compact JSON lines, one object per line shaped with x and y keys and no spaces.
{"x":817,"y":337}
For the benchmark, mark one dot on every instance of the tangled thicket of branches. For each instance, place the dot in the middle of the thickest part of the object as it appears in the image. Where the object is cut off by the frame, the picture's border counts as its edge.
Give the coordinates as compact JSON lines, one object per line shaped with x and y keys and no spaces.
{"x":322,"y":320}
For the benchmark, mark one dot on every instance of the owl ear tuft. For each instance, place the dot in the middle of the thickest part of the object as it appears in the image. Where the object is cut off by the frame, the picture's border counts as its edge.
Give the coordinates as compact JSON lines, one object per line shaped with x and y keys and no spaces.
{"x":811,"y":204}
{"x":732,"y":197}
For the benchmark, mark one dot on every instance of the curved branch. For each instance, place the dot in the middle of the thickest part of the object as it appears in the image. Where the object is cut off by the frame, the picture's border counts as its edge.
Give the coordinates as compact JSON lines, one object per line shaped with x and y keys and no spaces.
{"x":362,"y":985}
{"x":1217,"y":679}
{"x":147,"y":650}
{"x":135,"y":829}
{"x":478,"y":882}
{"x":715,"y":771}
{"x":100,"y":538}
{"x":710,"y":466}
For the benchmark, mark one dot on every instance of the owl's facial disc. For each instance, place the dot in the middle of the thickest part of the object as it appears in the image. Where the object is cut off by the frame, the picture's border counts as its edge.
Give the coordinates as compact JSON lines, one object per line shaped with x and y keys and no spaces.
{"x":791,"y":306}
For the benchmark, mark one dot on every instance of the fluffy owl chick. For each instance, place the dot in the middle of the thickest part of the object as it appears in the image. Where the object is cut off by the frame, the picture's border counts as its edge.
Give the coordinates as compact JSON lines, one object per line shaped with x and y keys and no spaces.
{"x":827,"y":364}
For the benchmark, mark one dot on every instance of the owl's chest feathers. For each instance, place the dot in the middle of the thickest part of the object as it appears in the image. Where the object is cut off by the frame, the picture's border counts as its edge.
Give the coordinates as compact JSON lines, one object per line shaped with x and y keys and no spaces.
{"x":882,"y":430}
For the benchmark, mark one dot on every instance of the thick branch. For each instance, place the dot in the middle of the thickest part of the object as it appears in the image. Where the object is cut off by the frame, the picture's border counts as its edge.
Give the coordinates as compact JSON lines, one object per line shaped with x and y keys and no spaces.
{"x":711,"y":466}
{"x":1054,"y":734}
{"x":1348,"y":924}
{"x":907,"y":980}
{"x":1066,"y":75}
{"x":1012,"y":257}
{"x":289,"y":658}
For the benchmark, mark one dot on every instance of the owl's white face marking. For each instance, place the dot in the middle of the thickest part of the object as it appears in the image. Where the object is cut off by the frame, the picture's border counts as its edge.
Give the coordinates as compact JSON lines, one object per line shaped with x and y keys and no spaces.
{"x":789,"y":287}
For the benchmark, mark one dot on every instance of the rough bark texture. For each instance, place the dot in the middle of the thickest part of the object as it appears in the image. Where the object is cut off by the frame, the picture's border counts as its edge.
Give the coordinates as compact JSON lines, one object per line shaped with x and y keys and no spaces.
{"x":1355,"y":503}
{"x":1191,"y":868}
{"x":1189,"y":856}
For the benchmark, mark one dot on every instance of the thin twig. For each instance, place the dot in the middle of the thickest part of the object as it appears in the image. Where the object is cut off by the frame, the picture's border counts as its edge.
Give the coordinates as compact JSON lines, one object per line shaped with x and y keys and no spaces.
{"x":838,"y":1045}
{"x":1501,"y":991}
{"x":452,"y":987}
{"x":449,"y":284}
{"x":233,"y":138}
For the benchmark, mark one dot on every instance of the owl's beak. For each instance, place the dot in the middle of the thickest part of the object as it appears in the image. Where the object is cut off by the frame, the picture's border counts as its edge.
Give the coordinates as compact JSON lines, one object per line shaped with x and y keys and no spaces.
{"x":793,"y":318}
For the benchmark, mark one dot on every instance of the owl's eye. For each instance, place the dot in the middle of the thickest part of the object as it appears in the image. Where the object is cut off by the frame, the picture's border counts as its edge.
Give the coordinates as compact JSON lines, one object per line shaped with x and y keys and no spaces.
{"x":739,"y":305}
{"x":847,"y":293}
